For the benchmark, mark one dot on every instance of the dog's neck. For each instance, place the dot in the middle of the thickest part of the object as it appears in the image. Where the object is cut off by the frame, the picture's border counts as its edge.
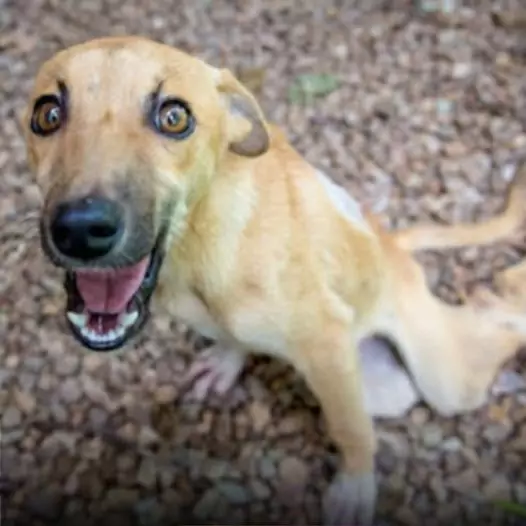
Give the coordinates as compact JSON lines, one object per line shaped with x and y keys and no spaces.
{"x":210,"y":229}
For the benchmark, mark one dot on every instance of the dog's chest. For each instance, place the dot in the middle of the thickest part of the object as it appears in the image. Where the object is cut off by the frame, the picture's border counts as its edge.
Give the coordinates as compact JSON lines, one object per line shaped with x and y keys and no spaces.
{"x":191,"y":310}
{"x":248,"y":329}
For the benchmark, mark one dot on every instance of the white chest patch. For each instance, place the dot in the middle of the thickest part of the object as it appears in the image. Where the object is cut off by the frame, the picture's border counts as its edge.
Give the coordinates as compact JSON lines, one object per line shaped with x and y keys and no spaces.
{"x":343,"y":201}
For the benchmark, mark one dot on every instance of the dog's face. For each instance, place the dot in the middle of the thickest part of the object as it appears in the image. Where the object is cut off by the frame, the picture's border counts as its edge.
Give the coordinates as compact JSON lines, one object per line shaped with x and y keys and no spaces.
{"x":124,"y":135}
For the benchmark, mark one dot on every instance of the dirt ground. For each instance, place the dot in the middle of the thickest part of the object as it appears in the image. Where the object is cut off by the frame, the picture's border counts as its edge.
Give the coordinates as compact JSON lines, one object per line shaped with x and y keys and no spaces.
{"x":423,"y":115}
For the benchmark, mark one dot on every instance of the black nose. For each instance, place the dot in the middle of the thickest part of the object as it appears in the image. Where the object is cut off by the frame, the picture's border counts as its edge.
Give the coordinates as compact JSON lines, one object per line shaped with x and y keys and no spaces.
{"x":88,"y":228}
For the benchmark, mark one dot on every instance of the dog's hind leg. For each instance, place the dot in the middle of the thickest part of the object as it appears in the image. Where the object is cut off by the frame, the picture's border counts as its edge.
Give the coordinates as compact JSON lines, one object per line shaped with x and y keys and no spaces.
{"x":454,"y":353}
{"x":389,"y":389}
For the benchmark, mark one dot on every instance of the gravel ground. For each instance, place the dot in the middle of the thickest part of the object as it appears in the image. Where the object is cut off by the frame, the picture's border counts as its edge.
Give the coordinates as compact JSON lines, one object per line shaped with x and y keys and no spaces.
{"x":426,"y":119}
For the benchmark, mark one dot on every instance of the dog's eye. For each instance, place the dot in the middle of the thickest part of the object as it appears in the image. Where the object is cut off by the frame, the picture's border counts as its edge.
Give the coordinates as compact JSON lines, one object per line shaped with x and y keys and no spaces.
{"x":47,"y":116}
{"x":174,"y":119}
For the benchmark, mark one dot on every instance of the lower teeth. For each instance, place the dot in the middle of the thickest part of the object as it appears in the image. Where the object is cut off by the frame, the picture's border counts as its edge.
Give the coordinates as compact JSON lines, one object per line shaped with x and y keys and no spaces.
{"x":110,"y":336}
{"x":80,"y":321}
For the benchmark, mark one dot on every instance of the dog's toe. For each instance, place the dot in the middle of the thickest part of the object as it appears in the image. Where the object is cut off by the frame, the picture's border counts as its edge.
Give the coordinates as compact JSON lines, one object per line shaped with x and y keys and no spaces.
{"x":215,"y":371}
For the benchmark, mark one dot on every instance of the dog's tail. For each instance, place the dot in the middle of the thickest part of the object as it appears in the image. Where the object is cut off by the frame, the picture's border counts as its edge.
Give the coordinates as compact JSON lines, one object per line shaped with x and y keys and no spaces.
{"x":504,"y":225}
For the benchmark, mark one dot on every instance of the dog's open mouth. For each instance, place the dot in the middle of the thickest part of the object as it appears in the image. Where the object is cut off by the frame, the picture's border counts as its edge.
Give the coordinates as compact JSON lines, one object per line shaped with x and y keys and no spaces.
{"x":106,"y":307}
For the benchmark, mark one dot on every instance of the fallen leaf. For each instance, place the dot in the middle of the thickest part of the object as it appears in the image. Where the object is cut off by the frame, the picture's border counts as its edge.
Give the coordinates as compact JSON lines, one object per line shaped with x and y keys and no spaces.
{"x":306,"y":88}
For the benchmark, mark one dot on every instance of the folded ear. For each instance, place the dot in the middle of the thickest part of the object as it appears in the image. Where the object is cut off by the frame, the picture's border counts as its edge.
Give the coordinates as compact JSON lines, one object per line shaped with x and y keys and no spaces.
{"x":246,"y":128}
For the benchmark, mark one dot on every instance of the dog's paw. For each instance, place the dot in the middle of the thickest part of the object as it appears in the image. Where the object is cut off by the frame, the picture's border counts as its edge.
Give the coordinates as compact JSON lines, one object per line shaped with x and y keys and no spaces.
{"x":350,"y":500}
{"x":215,"y":370}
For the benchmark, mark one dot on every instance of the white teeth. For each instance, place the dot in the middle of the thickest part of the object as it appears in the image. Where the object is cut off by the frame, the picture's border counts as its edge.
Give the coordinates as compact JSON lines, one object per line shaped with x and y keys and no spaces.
{"x":125,"y":321}
{"x":128,"y":319}
{"x":89,"y":334}
{"x":79,"y":320}
{"x":92,"y":336}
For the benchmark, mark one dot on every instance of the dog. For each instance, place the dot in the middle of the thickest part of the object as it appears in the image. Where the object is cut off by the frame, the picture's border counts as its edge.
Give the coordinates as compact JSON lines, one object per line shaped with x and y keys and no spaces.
{"x":161,"y":178}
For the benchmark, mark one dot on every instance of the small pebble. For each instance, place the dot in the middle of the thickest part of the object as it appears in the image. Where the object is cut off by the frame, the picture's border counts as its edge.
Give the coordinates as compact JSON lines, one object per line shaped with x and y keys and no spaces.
{"x":260,"y":415}
{"x":497,"y":488}
{"x":260,"y":489}
{"x":452,"y":444}
{"x":25,"y":401}
{"x":431,"y":435}
{"x":464,"y":482}
{"x":70,"y":391}
{"x":267,"y":468}
{"x":208,"y":504}
{"x":149,"y":512}
{"x":67,"y":365}
{"x":496,"y":433}
{"x":293,"y":473}
{"x":462,"y":70}
{"x":165,"y":394}
{"x":97,"y":418}
{"x":121,"y":498}
{"x":233,"y":492}
{"x":11,"y":418}
{"x":147,"y":473}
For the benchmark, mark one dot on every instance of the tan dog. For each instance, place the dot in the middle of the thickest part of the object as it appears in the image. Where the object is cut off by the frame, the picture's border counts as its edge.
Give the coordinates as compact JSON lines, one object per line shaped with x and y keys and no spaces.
{"x":161,"y":174}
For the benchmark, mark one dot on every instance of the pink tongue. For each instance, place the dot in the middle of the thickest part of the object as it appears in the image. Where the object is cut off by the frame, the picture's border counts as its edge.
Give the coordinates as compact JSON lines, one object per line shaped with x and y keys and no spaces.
{"x":109,"y":291}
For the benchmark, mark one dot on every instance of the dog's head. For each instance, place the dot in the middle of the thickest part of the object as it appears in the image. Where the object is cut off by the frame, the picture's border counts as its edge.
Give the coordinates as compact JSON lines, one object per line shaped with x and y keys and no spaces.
{"x":124,"y":135}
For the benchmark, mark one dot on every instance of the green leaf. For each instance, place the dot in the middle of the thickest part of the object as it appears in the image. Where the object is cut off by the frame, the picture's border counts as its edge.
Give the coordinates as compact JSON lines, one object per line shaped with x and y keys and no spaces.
{"x":511,"y":507}
{"x":307,"y":87}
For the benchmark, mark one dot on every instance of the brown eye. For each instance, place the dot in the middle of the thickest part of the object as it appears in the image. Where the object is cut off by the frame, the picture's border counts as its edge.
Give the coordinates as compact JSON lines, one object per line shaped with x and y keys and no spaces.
{"x":47,"y":115}
{"x":174,"y":119}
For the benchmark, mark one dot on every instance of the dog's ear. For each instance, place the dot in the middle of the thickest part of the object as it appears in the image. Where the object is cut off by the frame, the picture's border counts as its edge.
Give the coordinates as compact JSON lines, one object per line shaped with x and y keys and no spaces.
{"x":247,"y":131}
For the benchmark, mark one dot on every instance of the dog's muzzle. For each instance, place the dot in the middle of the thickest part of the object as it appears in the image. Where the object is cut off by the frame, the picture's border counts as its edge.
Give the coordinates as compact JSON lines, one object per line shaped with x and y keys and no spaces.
{"x":106,"y":308}
{"x":110,"y":276}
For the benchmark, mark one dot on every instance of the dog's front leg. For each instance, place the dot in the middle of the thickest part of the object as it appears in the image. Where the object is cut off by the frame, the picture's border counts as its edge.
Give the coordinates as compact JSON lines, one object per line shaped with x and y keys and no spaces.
{"x":330,"y":367}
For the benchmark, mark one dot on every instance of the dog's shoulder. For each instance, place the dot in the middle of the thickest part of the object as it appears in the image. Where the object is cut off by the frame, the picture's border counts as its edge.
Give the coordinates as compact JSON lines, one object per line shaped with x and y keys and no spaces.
{"x":285,"y":171}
